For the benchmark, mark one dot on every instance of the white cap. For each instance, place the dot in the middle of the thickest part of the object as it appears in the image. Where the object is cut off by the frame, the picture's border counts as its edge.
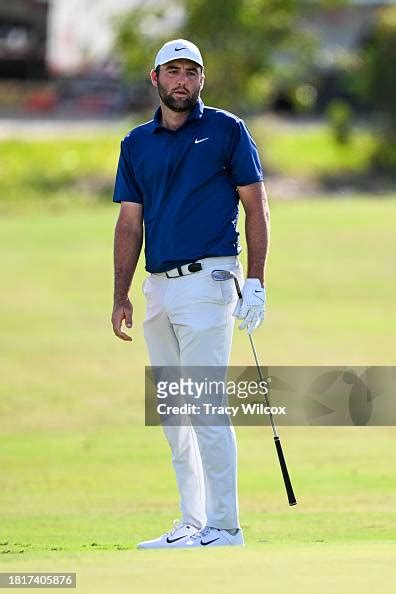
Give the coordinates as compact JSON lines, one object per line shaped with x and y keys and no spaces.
{"x":178,"y":49}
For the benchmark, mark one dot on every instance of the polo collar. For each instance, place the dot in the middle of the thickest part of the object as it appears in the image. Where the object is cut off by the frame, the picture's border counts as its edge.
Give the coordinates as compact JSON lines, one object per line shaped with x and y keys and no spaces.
{"x":195,"y":114}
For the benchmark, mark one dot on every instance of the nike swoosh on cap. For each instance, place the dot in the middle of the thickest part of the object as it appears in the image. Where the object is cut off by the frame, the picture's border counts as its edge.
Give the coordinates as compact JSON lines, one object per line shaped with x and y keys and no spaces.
{"x":209,"y":541}
{"x":178,"y":49}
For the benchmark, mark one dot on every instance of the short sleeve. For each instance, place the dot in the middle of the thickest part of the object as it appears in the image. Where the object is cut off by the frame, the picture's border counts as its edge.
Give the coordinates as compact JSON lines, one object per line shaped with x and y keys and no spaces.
{"x":126,"y":188}
{"x":243,"y":157}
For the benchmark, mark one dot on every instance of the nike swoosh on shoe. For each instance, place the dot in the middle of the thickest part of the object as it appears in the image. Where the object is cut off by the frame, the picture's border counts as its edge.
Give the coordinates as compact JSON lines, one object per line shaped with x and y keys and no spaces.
{"x":175,"y":539}
{"x":208,"y":542}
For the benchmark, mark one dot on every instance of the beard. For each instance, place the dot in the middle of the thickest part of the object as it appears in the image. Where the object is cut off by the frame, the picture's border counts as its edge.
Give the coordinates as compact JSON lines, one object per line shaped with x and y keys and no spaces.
{"x":180,"y":105}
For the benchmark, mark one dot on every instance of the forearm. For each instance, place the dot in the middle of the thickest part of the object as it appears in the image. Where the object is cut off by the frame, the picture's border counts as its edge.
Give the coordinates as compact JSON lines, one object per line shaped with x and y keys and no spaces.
{"x":257,"y":230}
{"x":127,"y":247}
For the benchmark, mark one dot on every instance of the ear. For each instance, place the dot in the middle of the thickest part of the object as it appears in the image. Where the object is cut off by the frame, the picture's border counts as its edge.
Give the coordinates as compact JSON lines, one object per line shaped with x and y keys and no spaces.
{"x":154,"y":78}
{"x":202,"y":81}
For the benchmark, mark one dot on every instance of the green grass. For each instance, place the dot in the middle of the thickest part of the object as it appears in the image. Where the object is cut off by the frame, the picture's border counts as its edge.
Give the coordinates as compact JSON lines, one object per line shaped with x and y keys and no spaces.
{"x":93,"y":500}
{"x":311,"y":150}
{"x":57,"y":172}
{"x":60,"y":173}
{"x":82,"y":480}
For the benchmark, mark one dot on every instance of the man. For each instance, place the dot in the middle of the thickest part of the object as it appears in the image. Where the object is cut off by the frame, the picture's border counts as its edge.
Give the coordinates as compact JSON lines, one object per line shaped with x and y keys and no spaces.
{"x":181,"y":176}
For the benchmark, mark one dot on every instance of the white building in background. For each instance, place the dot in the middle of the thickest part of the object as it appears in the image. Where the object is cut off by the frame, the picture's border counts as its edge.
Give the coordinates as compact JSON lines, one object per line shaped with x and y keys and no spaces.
{"x":80,"y":32}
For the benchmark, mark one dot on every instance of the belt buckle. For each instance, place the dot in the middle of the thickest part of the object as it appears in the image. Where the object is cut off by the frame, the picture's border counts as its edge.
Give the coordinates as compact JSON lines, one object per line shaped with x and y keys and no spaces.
{"x":195,"y":267}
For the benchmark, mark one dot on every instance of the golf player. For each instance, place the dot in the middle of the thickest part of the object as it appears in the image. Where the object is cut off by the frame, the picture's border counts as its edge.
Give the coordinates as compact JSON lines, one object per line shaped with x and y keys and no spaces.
{"x":180,"y":178}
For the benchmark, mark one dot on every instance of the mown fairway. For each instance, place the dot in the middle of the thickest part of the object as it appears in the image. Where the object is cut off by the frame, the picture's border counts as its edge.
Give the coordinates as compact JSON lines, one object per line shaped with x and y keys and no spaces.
{"x":82,"y":480}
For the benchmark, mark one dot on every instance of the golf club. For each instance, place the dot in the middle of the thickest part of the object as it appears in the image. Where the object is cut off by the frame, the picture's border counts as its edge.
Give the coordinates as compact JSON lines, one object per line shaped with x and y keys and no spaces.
{"x":223,"y":275}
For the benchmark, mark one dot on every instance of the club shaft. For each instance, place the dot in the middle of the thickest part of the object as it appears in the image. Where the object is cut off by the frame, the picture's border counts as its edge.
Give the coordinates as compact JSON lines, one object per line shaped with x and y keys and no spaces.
{"x":238,"y":288}
{"x":262,"y":380}
{"x":282,"y":462}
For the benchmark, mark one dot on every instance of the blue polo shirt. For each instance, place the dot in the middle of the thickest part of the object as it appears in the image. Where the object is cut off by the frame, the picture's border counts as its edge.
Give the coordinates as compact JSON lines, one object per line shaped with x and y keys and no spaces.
{"x":186,"y":181}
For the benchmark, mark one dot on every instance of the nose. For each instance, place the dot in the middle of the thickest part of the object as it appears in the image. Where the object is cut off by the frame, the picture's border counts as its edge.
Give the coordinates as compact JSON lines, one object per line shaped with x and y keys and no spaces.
{"x":181,"y":78}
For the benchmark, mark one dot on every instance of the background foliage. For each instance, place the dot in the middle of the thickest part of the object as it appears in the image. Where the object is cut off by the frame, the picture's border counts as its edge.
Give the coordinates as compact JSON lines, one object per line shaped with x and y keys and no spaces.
{"x":238,"y":41}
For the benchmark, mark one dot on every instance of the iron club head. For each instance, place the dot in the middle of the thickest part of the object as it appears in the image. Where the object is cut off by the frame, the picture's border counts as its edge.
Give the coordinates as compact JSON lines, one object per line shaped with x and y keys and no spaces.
{"x":223,"y":275}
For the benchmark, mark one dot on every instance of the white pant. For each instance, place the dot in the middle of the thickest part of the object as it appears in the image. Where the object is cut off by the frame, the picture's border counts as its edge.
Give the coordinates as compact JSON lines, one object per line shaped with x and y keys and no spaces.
{"x":189,"y":323}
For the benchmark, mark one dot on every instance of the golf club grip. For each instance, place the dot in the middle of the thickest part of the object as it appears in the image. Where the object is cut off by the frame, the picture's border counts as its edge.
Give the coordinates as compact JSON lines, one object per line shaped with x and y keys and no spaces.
{"x":289,"y":489}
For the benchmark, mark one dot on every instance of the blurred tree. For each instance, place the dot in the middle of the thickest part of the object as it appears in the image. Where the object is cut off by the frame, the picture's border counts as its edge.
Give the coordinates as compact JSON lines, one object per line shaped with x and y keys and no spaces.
{"x":377,"y":82}
{"x":378,"y":71}
{"x":339,"y":116}
{"x":238,"y":40}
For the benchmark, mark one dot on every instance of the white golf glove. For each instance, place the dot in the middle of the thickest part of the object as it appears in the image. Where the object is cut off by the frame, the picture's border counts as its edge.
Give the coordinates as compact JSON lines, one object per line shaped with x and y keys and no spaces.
{"x":251,"y":308}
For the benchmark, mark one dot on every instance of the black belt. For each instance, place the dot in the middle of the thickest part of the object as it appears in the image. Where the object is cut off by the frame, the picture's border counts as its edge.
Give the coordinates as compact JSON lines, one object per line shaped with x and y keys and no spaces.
{"x":183,"y":270}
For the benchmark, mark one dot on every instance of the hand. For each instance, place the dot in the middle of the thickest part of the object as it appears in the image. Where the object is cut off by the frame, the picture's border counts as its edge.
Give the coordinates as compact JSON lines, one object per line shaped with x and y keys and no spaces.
{"x":251,"y":308}
{"x":122,"y":311}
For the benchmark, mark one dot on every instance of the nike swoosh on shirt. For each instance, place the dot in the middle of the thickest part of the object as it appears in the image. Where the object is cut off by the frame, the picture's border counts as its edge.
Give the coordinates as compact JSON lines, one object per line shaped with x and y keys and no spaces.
{"x":175,"y":539}
{"x":178,"y":49}
{"x":201,"y":140}
{"x":209,"y":541}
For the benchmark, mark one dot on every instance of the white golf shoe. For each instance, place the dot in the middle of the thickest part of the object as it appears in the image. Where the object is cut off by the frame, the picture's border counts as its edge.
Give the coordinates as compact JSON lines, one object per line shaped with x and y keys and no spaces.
{"x":175,"y":538}
{"x":215,"y":537}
